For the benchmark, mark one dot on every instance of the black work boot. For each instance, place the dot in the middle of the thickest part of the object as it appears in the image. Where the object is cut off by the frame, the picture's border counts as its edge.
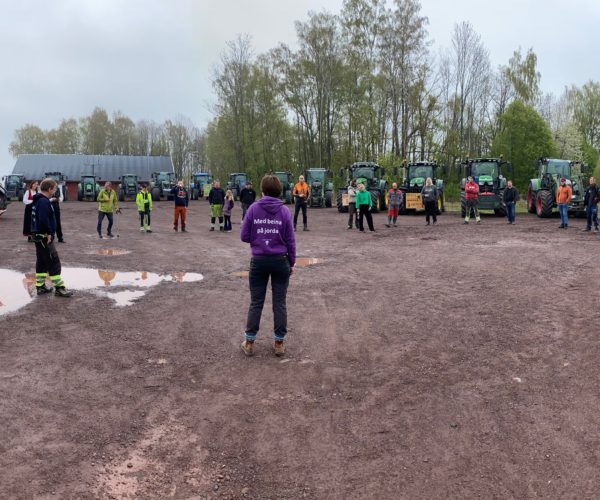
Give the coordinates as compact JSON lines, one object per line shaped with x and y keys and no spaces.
{"x":43,"y":290}
{"x":61,"y":291}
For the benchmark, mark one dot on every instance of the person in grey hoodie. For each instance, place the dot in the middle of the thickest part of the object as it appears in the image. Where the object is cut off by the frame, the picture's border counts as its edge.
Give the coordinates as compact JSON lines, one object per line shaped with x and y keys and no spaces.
{"x":429,"y":197}
{"x":352,"y":214}
{"x":269,"y":229}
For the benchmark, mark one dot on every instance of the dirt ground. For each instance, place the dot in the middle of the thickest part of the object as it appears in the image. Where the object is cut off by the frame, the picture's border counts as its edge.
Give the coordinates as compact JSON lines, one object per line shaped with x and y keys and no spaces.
{"x":423,"y":362}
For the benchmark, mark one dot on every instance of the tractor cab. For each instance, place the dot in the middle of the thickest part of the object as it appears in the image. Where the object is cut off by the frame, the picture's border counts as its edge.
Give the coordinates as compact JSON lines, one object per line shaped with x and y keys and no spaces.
{"x":14,"y":186}
{"x":415,"y":175}
{"x":201,"y":182}
{"x":487,"y":173}
{"x":372,"y":176}
{"x":541,"y":193}
{"x":321,"y":189}
{"x":128,"y":187}
{"x":88,"y":188}
{"x":237,"y":182}
{"x":161,"y":184}
{"x":287,"y":185}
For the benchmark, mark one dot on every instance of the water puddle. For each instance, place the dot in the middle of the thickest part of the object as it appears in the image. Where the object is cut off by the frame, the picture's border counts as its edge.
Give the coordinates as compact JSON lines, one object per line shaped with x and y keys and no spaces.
{"x":308,"y":261}
{"x":300,"y":262}
{"x":112,"y":251}
{"x":123,"y":288}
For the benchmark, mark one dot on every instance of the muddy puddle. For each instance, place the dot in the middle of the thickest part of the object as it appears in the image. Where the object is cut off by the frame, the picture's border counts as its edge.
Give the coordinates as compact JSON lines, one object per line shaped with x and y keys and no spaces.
{"x":122,"y":287}
{"x":112,"y":251}
{"x":300,"y":262}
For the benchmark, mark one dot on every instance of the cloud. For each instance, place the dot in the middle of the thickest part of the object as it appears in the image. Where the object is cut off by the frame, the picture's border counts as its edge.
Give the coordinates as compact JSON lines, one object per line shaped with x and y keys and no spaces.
{"x":154,"y":58}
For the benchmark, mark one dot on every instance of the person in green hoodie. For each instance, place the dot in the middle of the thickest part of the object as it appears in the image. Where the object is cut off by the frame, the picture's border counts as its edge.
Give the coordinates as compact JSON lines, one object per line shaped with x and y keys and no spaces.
{"x":143,"y":200}
{"x":107,"y":205}
{"x":364,"y":203}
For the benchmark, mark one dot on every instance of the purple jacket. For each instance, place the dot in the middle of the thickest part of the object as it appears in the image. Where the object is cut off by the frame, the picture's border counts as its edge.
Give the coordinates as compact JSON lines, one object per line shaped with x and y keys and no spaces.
{"x":227,"y":207}
{"x":268,"y":228}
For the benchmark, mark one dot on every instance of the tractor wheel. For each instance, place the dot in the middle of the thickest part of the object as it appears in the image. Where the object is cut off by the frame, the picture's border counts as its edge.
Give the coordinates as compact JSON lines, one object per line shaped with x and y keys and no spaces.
{"x":328,"y":196}
{"x":544,"y":203}
{"x":288,"y":197}
{"x":121,"y":195}
{"x":340,"y":206}
{"x":79,"y":196}
{"x":500,"y":212}
{"x":155,"y":192}
{"x":376,"y":199}
{"x":463,"y":208}
{"x":531,"y":200}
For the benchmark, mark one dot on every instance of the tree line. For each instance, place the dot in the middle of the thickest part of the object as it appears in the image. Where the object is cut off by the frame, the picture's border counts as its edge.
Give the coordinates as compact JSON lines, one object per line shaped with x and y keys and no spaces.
{"x":362,"y":84}
{"x":100,"y":134}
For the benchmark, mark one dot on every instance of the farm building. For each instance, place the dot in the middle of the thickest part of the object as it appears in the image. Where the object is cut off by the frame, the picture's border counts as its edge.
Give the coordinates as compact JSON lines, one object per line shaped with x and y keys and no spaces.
{"x":107,"y":167}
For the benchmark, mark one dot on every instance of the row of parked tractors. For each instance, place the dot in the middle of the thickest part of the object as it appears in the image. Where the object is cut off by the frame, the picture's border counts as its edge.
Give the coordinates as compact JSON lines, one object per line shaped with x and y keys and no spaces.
{"x":490,"y":174}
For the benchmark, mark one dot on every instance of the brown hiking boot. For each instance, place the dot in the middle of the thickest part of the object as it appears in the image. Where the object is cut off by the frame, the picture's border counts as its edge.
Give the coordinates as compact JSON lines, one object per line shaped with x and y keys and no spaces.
{"x":248,"y":347}
{"x":279,"y":348}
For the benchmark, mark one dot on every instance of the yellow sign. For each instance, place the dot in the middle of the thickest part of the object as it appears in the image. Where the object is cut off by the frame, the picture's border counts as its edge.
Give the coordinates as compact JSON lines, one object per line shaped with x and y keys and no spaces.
{"x":344,"y":199}
{"x":413,"y":201}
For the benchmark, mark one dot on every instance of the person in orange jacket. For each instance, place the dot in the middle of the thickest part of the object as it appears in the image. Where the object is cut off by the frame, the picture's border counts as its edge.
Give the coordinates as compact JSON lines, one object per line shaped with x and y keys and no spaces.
{"x":472,"y":199}
{"x":563,"y":197}
{"x":301,"y":194}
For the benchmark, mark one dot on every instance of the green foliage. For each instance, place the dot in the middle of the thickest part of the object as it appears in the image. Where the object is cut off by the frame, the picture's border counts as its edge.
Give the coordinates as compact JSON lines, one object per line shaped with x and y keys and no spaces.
{"x":586,"y":111}
{"x":524,"y":137}
{"x":524,"y":77}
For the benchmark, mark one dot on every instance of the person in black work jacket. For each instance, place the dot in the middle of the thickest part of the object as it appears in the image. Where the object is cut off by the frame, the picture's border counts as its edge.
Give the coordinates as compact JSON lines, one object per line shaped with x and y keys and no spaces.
{"x":43,"y":229}
{"x":247,"y":197}
{"x":591,"y":199}
{"x":216,"y":199}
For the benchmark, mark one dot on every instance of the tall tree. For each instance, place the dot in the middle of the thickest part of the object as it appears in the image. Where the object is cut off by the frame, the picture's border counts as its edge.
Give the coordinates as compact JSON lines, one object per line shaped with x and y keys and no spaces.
{"x":29,"y":139}
{"x":65,"y":139}
{"x":523,"y":138}
{"x":95,"y":131}
{"x":585,"y":102}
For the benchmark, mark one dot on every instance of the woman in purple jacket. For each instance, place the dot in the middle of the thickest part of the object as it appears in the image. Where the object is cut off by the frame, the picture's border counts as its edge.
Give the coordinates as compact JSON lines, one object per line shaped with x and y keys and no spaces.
{"x":268,"y":228}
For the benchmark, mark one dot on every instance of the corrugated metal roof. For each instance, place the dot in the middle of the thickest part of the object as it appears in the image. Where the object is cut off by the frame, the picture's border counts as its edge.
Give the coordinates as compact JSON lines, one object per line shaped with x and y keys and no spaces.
{"x":109,"y":168}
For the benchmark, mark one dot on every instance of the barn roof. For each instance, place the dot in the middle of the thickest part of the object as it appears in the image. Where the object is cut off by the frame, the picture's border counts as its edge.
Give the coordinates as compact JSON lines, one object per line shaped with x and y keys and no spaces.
{"x":108,"y":167}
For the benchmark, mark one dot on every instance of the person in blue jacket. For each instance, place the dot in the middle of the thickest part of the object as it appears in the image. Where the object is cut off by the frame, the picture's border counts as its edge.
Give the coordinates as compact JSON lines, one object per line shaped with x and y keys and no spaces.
{"x":43,"y":231}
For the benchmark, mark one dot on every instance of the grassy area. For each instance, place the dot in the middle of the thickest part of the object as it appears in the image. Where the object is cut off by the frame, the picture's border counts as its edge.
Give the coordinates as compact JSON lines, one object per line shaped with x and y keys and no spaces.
{"x":454,"y":206}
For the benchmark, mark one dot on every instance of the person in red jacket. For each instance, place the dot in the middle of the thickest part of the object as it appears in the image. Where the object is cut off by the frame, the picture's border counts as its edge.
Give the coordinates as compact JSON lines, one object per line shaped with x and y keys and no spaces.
{"x":472,"y":199}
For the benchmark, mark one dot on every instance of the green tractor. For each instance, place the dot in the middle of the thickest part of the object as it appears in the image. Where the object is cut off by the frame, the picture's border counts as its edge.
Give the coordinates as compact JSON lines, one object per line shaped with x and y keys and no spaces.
{"x":61,"y":180}
{"x":88,"y":188}
{"x":287,"y":186}
{"x":200,"y":185}
{"x":372,"y":176}
{"x":161,"y":184}
{"x":14,"y":186}
{"x":3,"y":200}
{"x":486,"y":172}
{"x":321,"y":189}
{"x":129,"y":187}
{"x":237,"y":182}
{"x":541,"y":194}
{"x":415,"y":175}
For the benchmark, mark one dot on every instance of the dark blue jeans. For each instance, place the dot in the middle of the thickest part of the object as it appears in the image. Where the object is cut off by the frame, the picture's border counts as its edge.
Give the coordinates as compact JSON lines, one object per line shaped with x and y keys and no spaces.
{"x":592,"y":216}
{"x":109,"y":216}
{"x":563,"y":210}
{"x":510,"y":211}
{"x":261,"y":268}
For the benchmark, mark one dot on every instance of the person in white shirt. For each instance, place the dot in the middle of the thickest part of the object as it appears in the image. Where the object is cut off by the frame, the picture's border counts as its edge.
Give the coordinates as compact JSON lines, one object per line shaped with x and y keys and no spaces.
{"x":27,"y":200}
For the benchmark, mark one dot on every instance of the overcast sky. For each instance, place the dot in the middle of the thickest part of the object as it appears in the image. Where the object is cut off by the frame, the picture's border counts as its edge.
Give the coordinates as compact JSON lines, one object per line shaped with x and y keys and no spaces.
{"x":153,"y":58}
